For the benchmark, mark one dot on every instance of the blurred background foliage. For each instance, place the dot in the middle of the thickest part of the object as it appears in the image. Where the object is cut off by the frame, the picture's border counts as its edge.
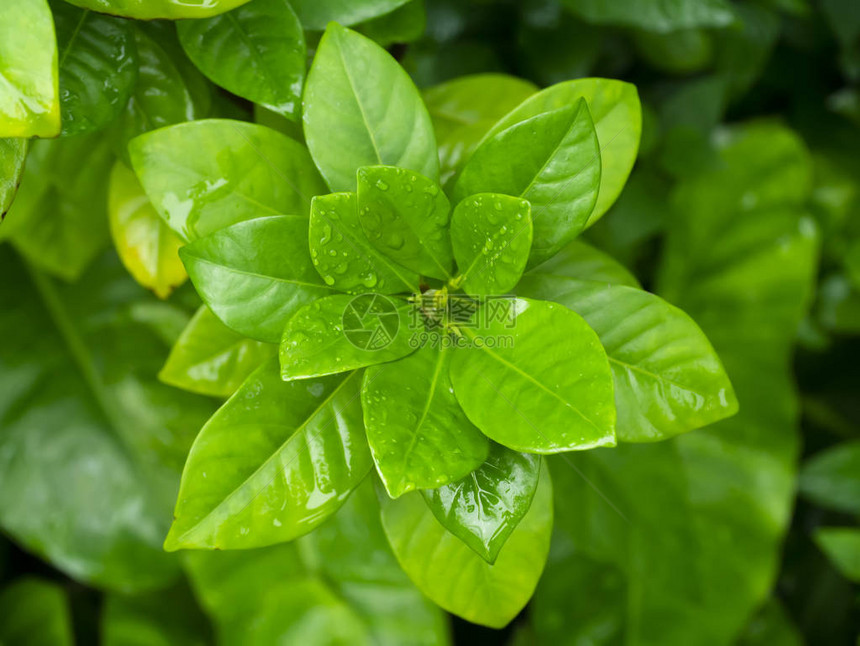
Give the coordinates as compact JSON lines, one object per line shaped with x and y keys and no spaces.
{"x":743,"y":209}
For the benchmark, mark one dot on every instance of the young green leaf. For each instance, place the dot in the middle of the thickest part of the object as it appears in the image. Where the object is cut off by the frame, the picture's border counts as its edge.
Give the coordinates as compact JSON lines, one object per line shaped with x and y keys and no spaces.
{"x":34,"y":612}
{"x":580,"y":261}
{"x":317,"y":14}
{"x":256,"y":51}
{"x":452,"y":575}
{"x":484,"y":508}
{"x":349,"y":123}
{"x":537,"y":381}
{"x":30,"y":94}
{"x":553,"y":161}
{"x":256,"y":274}
{"x":97,"y":67}
{"x":345,"y":257}
{"x":491,"y":235}
{"x":842,"y":546}
{"x":463,"y":111}
{"x":668,"y":378}
{"x":273,"y":463}
{"x":419,"y":436}
{"x":405,"y":216}
{"x":13,"y":154}
{"x":832,"y":478}
{"x":339,"y":333}
{"x":211,"y":359}
{"x":145,"y":244}
{"x":235,"y":171}
{"x":617,"y":116}
{"x":152,"y":9}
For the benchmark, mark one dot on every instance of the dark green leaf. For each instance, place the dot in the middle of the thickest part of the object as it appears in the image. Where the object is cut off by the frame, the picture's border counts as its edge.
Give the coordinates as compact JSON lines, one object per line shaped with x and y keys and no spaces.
{"x":317,"y":14}
{"x":273,"y":463}
{"x":484,"y":508}
{"x":256,"y":274}
{"x":256,"y":51}
{"x":546,"y":375}
{"x":419,"y":436}
{"x":345,"y":257}
{"x":842,"y":546}
{"x":655,"y":15}
{"x":34,"y":612}
{"x":339,"y":333}
{"x":349,"y":124}
{"x":832,"y":478}
{"x":403,"y":25}
{"x":405,"y":216}
{"x":491,"y":235}
{"x":237,"y":171}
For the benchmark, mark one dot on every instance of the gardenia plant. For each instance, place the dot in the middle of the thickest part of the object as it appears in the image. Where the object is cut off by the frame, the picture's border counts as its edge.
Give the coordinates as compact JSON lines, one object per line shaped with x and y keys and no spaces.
{"x":438,"y":325}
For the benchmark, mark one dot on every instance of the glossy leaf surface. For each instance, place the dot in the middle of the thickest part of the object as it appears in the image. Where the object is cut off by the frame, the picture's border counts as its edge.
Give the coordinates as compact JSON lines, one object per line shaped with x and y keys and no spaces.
{"x":345,"y":257}
{"x":405,"y":216}
{"x":256,"y":51}
{"x":668,"y":379}
{"x":145,"y":244}
{"x":256,"y":274}
{"x":617,"y":116}
{"x":273,"y":463}
{"x":348,"y":123}
{"x":97,"y":67}
{"x":211,"y":359}
{"x":35,"y":612}
{"x":484,"y":508}
{"x":553,"y":161}
{"x":13,"y":154}
{"x":547,"y":376}
{"x":842,"y":546}
{"x":317,"y":14}
{"x":150,"y":9}
{"x":580,"y":261}
{"x":339,"y":333}
{"x":453,"y":576}
{"x":491,"y":235}
{"x":238,"y":171}
{"x":29,"y":89}
{"x":832,"y":478}
{"x":655,"y":15}
{"x":419,"y":436}
{"x":463,"y":111}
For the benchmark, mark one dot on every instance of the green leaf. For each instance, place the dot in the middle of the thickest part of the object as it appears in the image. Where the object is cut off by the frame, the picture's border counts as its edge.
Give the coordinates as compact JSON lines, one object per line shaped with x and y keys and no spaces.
{"x":317,"y":14}
{"x":581,"y":261}
{"x":668,"y":379}
{"x":211,"y":359}
{"x":151,"y":9}
{"x":59,"y":219}
{"x":13,"y":154}
{"x":256,"y":51}
{"x":655,"y":15}
{"x":452,"y":575}
{"x":617,"y":115}
{"x":345,"y":257}
{"x":97,"y":67}
{"x":34,"y":612}
{"x":553,"y":161}
{"x":88,"y":432}
{"x":405,"y":216}
{"x":491,"y":235}
{"x":348,"y":122}
{"x":463,"y":111}
{"x":339,"y":333}
{"x":273,"y":463}
{"x":403,"y":25}
{"x":169,"y":89}
{"x":146,"y":246}
{"x":842,"y":546}
{"x":484,"y":508}
{"x":832,"y":478}
{"x":546,"y":375}
{"x":237,"y":171}
{"x":256,"y":274}
{"x":419,"y":436}
{"x":29,"y":89}
{"x":771,"y":625}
